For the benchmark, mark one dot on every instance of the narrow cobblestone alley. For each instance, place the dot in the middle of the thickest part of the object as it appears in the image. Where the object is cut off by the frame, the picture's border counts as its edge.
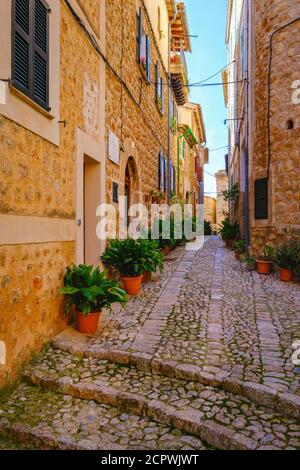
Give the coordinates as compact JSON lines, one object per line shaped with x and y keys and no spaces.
{"x":201,"y":359}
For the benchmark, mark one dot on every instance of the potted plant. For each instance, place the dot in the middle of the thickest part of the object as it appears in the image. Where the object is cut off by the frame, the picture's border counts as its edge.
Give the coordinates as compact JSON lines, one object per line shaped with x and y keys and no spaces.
{"x":240,"y":249}
{"x":89,"y":291}
{"x":286,"y":260}
{"x":129,"y":257}
{"x":208,"y":228}
{"x":229,"y":232}
{"x":165,"y":239}
{"x":250,"y":262}
{"x":265,"y":260}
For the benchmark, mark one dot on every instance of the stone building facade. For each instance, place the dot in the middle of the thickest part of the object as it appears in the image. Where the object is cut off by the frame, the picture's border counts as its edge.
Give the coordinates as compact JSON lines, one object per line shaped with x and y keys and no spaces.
{"x":193,"y":155}
{"x":276,"y":159}
{"x":222,"y":208}
{"x":94,"y":119}
{"x":210,"y":209}
{"x":264,"y":106}
{"x":43,"y":150}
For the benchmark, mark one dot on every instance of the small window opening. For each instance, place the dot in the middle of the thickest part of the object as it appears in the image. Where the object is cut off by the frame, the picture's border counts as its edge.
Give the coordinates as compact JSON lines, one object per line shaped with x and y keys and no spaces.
{"x":290,"y":124}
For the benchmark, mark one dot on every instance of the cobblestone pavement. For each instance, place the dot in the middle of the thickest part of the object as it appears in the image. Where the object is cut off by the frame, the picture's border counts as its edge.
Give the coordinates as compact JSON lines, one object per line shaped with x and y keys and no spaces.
{"x":201,"y":359}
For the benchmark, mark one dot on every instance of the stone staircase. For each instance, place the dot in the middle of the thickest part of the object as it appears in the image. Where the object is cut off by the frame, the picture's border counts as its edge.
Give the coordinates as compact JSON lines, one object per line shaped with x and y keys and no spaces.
{"x":70,"y":400}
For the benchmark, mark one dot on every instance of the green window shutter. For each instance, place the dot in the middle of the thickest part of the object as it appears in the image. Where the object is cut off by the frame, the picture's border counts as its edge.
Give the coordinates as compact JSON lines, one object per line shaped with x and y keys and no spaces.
{"x":21,"y":45}
{"x":41,"y":52}
{"x":30,"y":49}
{"x":162,"y":95}
{"x":139,"y":34}
{"x":156,"y":82}
{"x":261,"y":195}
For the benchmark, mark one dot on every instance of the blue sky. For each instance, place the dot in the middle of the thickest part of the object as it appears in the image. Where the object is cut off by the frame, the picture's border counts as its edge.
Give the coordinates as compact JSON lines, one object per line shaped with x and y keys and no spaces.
{"x":207,"y":19}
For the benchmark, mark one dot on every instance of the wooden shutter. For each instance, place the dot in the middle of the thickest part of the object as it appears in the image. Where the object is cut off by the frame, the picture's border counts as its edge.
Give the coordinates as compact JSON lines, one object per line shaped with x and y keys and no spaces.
{"x":21,"y":32}
{"x":165,"y":175}
{"x":148,"y":52}
{"x":41,"y":52}
{"x":139,"y":34}
{"x":261,"y":199}
{"x":156,"y":83}
{"x":160,"y":171}
{"x":30,"y":49}
{"x":162,"y":94}
{"x":174,"y":179}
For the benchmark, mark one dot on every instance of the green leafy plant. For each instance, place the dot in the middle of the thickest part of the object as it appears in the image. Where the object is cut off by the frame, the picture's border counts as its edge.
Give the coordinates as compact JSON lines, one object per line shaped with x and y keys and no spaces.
{"x":207,"y":228}
{"x":88,"y":289}
{"x":133,"y":257}
{"x":250,"y":260}
{"x":232,"y":194}
{"x":267,"y":254}
{"x":229,"y":231}
{"x":285,"y":257}
{"x":240,"y":247}
{"x":164,"y":237}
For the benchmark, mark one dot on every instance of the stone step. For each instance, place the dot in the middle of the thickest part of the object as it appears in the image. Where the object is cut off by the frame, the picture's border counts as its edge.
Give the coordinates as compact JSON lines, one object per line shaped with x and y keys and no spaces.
{"x":220,"y":418}
{"x":8,"y":444}
{"x":286,"y":404}
{"x":36,"y":418}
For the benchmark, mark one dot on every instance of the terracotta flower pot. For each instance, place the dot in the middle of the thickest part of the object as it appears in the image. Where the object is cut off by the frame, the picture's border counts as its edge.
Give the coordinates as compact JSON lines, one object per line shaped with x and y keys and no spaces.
{"x":264,"y":267}
{"x":237,"y":255}
{"x":132,"y":285}
{"x":147,"y":276}
{"x":286,"y":275}
{"x":165,"y":250}
{"x":87,"y":324}
{"x":229,"y":243}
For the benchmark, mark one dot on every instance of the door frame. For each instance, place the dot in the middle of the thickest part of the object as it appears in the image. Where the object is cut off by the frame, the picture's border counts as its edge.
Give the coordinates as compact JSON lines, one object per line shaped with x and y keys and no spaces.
{"x":87,"y":148}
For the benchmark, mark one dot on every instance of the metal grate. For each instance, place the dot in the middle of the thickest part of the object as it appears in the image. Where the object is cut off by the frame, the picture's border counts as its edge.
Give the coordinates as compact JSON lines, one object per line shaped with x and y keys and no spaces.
{"x":115,"y":193}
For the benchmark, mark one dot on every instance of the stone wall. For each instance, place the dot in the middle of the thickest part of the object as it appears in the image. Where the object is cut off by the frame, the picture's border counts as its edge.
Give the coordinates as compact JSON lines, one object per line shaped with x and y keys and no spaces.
{"x":210,"y":209}
{"x":37,"y":178}
{"x":131,"y":110}
{"x":222,"y":205}
{"x":284,"y":206}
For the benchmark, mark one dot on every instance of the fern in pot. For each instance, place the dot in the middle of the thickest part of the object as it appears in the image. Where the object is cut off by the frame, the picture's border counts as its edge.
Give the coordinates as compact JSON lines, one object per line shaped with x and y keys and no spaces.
{"x":89,"y":291}
{"x":286,"y":260}
{"x":131,"y":259}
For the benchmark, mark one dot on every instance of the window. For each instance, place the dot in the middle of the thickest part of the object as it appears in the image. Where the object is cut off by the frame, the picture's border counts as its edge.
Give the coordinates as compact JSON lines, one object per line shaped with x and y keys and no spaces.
{"x":159,"y":90}
{"x":261,"y":199}
{"x":143,"y":47}
{"x":115,"y":193}
{"x":162,"y":173}
{"x":30,"y":49}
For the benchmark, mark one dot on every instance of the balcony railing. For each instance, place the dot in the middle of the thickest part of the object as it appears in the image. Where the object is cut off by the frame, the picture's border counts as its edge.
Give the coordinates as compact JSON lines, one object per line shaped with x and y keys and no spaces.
{"x":179,"y":74}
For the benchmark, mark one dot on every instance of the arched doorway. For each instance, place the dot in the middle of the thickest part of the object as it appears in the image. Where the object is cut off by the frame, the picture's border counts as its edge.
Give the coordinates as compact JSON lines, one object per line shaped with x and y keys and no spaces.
{"x":131,"y":185}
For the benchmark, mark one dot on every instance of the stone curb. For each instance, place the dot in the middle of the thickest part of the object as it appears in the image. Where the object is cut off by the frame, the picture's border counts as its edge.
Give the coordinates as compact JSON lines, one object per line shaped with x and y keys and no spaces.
{"x":187,"y":420}
{"x":45,"y":440}
{"x":286,"y":404}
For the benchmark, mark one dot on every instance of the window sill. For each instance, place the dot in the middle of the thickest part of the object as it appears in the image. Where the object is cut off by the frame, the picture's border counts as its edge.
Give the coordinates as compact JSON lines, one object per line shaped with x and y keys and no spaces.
{"x":30,"y":102}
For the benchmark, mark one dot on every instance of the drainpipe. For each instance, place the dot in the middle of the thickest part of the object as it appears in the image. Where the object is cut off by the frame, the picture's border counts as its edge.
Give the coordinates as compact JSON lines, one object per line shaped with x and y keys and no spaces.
{"x":247,"y":130}
{"x":178,"y":157}
{"x":169,"y":96}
